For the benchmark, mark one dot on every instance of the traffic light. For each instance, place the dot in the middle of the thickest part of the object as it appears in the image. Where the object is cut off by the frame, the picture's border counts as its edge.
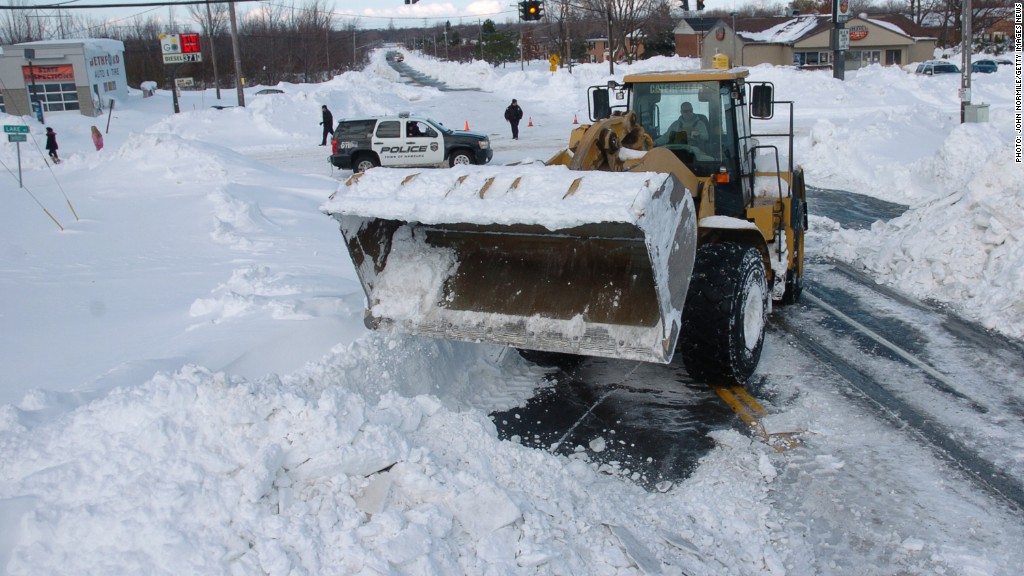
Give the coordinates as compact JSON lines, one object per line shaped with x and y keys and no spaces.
{"x":531,"y":10}
{"x":700,"y":4}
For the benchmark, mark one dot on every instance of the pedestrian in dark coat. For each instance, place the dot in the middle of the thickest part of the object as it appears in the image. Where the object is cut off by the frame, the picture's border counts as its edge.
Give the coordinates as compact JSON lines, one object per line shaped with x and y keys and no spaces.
{"x":514,"y":114}
{"x":327,"y":123}
{"x":51,"y":144}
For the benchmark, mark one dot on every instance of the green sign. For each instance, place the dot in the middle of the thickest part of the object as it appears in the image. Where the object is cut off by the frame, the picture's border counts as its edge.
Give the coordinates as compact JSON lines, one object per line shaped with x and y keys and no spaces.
{"x":17,"y":138}
{"x":11,"y":129}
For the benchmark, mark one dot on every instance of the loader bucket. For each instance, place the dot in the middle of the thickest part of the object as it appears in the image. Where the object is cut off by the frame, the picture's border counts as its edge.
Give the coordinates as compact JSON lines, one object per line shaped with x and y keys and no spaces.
{"x":536,"y":257}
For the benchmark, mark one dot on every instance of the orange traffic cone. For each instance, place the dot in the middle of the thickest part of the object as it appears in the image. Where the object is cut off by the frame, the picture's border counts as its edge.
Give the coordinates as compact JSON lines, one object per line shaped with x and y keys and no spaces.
{"x":467,"y":125}
{"x":575,"y":120}
{"x":531,"y":121}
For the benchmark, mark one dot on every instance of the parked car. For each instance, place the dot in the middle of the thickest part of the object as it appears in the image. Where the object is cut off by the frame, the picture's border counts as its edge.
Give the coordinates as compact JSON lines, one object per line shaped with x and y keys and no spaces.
{"x":932,"y":67}
{"x":404,"y":141}
{"x":984,"y":66}
{"x":266,"y":91}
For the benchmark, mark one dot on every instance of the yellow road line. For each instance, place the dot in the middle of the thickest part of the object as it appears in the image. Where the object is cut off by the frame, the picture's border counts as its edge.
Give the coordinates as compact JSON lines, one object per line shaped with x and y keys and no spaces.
{"x":752,"y":412}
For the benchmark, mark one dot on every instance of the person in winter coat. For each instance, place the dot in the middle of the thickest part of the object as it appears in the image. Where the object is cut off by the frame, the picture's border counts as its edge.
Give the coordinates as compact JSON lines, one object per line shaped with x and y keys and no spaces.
{"x":327,"y":123}
{"x":97,"y":138}
{"x":514,"y":114}
{"x":51,"y":144}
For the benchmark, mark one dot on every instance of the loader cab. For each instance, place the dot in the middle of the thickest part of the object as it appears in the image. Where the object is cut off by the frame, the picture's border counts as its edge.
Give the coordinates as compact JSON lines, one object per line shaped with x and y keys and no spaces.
{"x":693,"y":119}
{"x":701,"y":117}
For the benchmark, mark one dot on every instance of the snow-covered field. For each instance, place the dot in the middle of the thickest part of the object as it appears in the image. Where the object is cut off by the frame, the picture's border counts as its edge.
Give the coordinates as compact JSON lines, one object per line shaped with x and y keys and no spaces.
{"x":187,"y":385}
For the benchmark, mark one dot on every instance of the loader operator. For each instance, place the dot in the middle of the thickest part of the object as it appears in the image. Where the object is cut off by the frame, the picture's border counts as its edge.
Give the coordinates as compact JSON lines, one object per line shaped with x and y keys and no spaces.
{"x":689,"y":128}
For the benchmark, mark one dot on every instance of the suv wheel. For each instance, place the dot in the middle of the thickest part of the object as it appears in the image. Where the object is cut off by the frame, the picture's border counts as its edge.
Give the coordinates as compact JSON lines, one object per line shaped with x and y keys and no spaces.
{"x":364,"y":163}
{"x":460,"y":158}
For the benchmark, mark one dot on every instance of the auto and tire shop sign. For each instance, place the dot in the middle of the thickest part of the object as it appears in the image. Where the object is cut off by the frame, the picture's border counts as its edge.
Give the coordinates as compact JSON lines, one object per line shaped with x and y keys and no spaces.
{"x":180,"y":48}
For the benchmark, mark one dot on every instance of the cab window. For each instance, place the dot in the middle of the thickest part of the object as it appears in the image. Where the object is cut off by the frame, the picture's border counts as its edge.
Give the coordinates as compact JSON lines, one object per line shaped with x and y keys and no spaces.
{"x":388,"y":129}
{"x":417,"y":129}
{"x":353,"y":130}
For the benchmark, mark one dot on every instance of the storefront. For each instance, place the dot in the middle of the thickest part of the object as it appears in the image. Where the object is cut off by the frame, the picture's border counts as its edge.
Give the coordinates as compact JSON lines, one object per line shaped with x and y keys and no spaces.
{"x":805,"y":41}
{"x":60,"y":76}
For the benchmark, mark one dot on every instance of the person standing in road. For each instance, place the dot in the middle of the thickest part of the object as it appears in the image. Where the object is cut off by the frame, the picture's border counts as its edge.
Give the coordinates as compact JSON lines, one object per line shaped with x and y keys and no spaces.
{"x":51,"y":144}
{"x":514,"y":114}
{"x":328,"y":123}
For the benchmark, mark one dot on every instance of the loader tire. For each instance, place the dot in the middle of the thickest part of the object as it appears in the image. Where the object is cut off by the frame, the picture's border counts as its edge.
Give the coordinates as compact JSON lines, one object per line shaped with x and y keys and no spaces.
{"x":725,"y":313}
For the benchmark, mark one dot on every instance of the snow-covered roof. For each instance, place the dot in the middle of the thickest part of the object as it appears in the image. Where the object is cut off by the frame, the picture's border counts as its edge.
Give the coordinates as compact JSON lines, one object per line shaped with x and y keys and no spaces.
{"x":99,"y":44}
{"x":786,"y":32}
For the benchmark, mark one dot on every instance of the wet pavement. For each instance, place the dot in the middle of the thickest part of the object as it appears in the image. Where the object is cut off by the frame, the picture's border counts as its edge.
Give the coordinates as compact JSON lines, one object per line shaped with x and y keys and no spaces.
{"x":649,"y":423}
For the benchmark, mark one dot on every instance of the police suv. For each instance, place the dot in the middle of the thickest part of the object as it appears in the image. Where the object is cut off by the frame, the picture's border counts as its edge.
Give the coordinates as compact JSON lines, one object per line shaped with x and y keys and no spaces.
{"x":404,"y":141}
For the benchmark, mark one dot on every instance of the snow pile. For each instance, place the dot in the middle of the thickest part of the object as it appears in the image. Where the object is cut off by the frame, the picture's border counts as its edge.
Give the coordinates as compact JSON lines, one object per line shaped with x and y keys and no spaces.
{"x":188,"y":386}
{"x":965,"y":245}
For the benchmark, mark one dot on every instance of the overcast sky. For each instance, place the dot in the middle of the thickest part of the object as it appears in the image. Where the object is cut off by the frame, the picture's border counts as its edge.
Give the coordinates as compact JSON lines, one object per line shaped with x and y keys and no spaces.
{"x":366,"y":13}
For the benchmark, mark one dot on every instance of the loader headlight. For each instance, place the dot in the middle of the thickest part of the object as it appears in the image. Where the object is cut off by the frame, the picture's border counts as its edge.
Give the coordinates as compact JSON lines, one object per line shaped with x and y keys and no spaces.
{"x":485,"y":144}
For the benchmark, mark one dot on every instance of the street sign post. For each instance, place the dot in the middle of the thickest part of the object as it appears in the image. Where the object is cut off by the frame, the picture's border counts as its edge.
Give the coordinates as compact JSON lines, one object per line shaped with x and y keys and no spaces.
{"x":17,"y":133}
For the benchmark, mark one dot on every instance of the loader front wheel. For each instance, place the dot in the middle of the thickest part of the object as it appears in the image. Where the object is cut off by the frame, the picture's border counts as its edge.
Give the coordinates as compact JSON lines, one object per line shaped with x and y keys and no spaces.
{"x":725,"y":313}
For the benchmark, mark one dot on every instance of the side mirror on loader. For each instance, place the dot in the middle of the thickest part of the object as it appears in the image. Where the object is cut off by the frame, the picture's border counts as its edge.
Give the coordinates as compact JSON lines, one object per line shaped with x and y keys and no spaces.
{"x":600,"y":104}
{"x":761,"y":101}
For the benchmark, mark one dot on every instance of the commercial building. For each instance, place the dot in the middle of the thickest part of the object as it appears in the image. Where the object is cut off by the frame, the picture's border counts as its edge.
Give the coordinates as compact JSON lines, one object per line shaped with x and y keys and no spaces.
{"x":805,"y":41}
{"x":59,"y":76}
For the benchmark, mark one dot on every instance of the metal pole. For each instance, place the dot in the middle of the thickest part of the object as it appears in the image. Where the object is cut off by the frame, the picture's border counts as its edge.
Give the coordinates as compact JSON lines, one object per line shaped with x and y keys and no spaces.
{"x":34,"y":97}
{"x":965,"y":50}
{"x":174,"y":88}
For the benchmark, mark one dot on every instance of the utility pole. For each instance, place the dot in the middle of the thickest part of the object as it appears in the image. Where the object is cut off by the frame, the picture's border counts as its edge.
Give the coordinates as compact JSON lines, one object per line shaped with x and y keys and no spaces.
{"x":568,"y":41}
{"x":213,"y":49}
{"x":734,"y":63}
{"x":840,"y":37}
{"x":238,"y":55}
{"x":611,"y":55}
{"x":965,"y":51}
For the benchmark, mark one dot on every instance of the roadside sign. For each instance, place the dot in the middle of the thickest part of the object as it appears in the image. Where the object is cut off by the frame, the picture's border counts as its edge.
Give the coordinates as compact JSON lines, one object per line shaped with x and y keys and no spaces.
{"x":15,"y":129}
{"x":181,"y":58}
{"x":189,"y":43}
{"x":180,"y":48}
{"x":184,"y":82}
{"x":179,"y":43}
{"x":844,"y":39}
{"x":17,"y":137}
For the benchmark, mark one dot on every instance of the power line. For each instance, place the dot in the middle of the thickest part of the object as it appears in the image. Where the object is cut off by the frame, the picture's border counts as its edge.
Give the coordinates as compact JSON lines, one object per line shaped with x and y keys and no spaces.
{"x":69,"y":6}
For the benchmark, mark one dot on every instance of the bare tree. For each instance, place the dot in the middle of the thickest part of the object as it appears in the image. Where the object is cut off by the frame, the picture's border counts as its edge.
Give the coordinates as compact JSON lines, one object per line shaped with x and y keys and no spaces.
{"x":21,"y":25}
{"x":213,"y":22}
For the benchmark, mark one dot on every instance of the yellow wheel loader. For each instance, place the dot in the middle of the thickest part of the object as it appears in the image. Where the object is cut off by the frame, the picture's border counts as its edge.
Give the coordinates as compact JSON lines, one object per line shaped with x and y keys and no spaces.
{"x":667,"y":224}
